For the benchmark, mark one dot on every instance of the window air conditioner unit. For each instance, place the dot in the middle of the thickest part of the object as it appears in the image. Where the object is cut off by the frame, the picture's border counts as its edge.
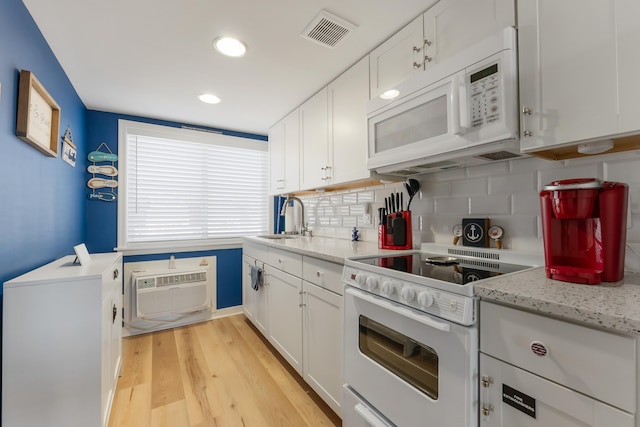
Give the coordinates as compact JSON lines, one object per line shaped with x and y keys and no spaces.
{"x":169,"y":293}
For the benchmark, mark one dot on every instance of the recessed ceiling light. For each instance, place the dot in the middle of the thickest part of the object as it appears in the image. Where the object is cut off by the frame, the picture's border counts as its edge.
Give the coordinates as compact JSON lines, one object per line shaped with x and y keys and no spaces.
{"x":390,"y":94}
{"x":230,"y":46}
{"x":209,"y":98}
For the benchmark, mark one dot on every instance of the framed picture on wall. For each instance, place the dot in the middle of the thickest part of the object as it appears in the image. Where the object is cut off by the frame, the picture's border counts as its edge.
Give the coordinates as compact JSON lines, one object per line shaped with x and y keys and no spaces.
{"x":38,"y":121}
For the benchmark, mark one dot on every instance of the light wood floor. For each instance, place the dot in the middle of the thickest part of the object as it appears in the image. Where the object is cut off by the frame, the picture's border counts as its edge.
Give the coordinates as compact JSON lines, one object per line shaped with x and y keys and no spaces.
{"x":216,"y":373}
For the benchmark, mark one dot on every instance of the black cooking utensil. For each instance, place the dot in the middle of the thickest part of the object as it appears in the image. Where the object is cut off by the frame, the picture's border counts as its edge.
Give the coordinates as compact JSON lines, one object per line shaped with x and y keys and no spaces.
{"x":414,"y":185}
{"x":399,"y":230}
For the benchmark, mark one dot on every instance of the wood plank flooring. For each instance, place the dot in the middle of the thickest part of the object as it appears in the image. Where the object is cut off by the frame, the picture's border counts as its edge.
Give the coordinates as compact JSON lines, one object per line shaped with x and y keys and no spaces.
{"x":217,"y":373}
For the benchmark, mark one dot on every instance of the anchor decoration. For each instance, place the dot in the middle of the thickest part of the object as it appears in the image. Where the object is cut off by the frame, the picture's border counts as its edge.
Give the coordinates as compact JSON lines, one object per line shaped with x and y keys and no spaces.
{"x":474,"y":232}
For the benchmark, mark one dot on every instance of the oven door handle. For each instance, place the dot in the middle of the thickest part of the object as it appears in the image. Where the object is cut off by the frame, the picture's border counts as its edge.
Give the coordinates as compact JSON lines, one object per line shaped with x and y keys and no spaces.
{"x":424,"y":319}
{"x":371,"y":418}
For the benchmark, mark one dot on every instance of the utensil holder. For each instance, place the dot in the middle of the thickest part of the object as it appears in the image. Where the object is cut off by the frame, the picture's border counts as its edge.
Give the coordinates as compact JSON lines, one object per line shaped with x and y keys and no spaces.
{"x":388,"y":237}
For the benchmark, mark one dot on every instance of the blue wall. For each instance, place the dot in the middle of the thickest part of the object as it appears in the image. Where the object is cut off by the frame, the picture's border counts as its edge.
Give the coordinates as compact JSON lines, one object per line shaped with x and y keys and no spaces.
{"x":44,"y":210}
{"x":42,"y":199}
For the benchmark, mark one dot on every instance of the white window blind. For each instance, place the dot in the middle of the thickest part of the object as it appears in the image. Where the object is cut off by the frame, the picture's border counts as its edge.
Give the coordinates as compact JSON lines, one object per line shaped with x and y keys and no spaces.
{"x":181,"y":190}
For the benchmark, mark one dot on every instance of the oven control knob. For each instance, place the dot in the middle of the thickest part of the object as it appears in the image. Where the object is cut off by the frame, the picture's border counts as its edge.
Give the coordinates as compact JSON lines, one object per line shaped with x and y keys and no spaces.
{"x":360,"y":279}
{"x":407,"y":293}
{"x":388,"y":288}
{"x":371,"y":283}
{"x":425,"y":299}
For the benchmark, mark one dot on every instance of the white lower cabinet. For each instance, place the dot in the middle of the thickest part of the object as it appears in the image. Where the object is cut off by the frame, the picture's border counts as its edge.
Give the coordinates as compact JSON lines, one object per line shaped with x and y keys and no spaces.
{"x":254,"y":301}
{"x":285,"y":315}
{"x":517,"y":398}
{"x":539,"y":371}
{"x":61,"y":342}
{"x":299,"y":310}
{"x":322,"y":343}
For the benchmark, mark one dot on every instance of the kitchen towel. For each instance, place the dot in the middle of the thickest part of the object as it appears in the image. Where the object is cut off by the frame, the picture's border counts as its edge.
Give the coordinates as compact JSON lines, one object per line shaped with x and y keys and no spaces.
{"x":256,"y":277}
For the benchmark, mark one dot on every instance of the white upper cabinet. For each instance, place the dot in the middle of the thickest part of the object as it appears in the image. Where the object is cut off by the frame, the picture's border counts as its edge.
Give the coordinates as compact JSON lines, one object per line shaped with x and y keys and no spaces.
{"x":284,"y":155}
{"x":313,"y":141}
{"x":333,"y":131}
{"x":444,"y":30}
{"x":453,"y":25}
{"x":568,"y":76}
{"x":348,"y":97}
{"x":395,"y":60}
{"x":627,"y":12}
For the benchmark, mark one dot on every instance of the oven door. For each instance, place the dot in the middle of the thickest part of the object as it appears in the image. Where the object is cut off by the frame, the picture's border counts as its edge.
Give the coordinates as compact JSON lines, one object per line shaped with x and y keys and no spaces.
{"x":411,"y":367}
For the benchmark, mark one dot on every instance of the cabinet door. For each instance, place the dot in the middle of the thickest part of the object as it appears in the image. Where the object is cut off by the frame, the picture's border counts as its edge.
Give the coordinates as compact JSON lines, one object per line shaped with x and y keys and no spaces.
{"x":323,"y":343}
{"x":106,"y":375}
{"x":512,"y":397}
{"x":348,"y":97}
{"x":628,"y":31}
{"x":276,"y":158}
{"x":395,"y":60}
{"x":291,"y":153}
{"x":568,"y":78}
{"x":313,"y":141}
{"x":453,"y":25}
{"x":285,"y":315}
{"x":254,"y":302}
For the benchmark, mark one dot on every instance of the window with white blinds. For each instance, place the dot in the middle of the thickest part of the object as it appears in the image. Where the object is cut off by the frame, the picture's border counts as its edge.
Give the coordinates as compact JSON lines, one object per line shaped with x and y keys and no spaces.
{"x":189,"y":186}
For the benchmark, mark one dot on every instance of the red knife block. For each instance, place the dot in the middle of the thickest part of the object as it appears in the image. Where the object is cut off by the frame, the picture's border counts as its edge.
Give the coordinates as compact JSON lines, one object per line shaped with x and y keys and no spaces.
{"x":385,"y":241}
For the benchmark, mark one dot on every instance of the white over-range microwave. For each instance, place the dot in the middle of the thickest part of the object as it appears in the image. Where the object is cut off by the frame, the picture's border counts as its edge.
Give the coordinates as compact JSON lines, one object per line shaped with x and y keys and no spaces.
{"x":462,"y":111}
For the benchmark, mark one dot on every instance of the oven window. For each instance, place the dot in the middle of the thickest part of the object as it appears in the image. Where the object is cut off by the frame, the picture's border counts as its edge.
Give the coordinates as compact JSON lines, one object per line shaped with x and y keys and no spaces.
{"x":410,"y":360}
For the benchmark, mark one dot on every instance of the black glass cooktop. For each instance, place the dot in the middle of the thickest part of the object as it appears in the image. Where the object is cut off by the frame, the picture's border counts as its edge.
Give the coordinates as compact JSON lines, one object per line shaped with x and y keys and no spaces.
{"x":457,"y":270}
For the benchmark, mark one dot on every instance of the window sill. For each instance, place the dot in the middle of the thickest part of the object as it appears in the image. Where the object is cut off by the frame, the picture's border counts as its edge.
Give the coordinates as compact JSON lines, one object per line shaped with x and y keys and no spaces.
{"x":177,"y":247}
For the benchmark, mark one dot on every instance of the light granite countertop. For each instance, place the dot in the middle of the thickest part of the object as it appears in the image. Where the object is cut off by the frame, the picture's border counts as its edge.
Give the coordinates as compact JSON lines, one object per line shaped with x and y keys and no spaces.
{"x":612,"y":306}
{"x":326,"y":248}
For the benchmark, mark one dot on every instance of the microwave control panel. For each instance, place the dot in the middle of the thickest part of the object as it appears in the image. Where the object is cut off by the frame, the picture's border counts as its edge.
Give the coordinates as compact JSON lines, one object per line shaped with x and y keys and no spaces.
{"x":484,"y":96}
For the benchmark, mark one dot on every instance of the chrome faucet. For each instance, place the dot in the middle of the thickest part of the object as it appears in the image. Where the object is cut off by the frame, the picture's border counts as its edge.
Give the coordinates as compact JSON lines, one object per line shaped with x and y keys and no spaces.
{"x":304,"y":230}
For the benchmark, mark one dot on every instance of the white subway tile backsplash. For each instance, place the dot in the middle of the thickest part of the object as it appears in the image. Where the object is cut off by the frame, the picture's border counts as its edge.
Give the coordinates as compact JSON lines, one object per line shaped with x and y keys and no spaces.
{"x":350,"y":198}
{"x":458,"y":205}
{"x":335,"y":199}
{"x":525,"y":204}
{"x":349,"y":221}
{"x":365,"y":196}
{"x":488,"y":169}
{"x":450,"y":174}
{"x":342,"y":210}
{"x":490,"y":205}
{"x":506,"y":192}
{"x":513,"y":183}
{"x":437,"y":189}
{"x":469,"y":187}
{"x":627,"y":171}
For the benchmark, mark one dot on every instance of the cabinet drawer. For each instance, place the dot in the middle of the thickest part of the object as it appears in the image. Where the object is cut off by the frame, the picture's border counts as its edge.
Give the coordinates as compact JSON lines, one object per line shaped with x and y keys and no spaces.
{"x":323,"y":273}
{"x":594,"y":362}
{"x":257,"y":252}
{"x":286,"y":261}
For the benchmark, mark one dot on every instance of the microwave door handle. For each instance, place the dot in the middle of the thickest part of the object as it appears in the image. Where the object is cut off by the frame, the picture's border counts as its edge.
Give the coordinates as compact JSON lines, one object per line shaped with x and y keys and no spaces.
{"x":457,"y":105}
{"x":424,"y":319}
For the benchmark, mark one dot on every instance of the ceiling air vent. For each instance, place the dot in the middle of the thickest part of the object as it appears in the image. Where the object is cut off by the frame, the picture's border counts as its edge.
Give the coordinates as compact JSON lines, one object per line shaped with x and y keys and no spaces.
{"x":327,"y":29}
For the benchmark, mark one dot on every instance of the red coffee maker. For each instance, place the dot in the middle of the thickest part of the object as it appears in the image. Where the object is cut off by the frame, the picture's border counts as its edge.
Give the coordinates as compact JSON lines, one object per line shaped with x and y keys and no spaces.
{"x":584,"y":226}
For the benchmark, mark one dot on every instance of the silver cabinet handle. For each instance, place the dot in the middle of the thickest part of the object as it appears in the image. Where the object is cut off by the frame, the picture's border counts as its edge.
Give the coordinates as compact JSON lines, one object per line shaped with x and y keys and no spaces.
{"x":416,"y":49}
{"x":526,"y":111}
{"x":417,"y":65}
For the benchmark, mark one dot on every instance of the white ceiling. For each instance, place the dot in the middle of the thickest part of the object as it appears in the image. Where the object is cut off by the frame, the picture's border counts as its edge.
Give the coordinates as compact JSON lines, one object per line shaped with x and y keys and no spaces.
{"x":152,"y":58}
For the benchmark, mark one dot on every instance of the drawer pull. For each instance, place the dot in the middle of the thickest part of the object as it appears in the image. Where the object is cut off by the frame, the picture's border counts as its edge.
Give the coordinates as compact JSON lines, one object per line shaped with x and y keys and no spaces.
{"x":538,"y":349}
{"x":116,"y":273}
